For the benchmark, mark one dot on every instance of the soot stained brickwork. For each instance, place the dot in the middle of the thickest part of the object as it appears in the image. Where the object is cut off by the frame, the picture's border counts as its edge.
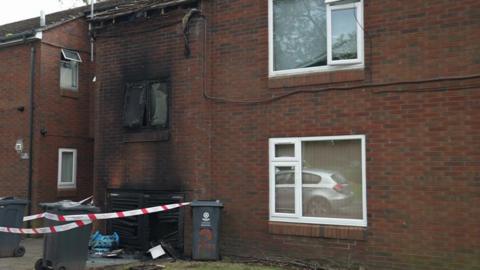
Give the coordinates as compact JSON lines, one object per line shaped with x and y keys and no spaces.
{"x":421,"y":138}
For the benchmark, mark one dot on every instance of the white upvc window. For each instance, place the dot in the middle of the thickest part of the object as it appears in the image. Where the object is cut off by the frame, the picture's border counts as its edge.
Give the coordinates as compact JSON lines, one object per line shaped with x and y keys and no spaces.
{"x":345,"y":34}
{"x":308,"y":36}
{"x":69,"y":69}
{"x":318,"y":180}
{"x":67,"y":168}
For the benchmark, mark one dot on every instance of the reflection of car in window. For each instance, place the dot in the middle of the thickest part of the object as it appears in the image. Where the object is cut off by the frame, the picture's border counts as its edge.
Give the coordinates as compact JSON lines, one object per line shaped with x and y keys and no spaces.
{"x":323,"y":192}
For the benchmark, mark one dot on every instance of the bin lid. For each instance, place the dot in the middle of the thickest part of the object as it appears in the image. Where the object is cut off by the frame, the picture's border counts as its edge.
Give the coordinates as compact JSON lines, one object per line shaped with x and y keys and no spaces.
{"x":210,"y":203}
{"x":67,"y":205}
{"x":12,"y":200}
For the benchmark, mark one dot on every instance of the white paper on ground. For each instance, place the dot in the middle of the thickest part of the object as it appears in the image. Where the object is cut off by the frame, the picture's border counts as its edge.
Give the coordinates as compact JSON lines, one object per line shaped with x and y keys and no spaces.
{"x":156,"y":251}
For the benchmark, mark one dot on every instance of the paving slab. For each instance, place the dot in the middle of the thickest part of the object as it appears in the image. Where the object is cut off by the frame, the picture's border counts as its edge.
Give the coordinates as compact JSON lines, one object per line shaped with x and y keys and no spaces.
{"x":34,"y":251}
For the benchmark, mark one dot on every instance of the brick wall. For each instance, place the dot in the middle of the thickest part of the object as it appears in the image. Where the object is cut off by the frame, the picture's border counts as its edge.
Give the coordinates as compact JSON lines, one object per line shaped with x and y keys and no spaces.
{"x":422,"y":147}
{"x":168,"y":159}
{"x":14,"y":93}
{"x":63,"y":114}
{"x":66,"y":118}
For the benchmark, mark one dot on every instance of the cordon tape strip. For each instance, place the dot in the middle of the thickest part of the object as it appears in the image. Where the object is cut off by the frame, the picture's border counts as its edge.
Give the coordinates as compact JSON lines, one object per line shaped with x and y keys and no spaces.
{"x":82,"y":220}
{"x":45,"y":230}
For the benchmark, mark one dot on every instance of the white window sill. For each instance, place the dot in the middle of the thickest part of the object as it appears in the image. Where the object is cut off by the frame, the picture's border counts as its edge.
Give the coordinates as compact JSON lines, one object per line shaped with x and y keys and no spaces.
{"x":321,"y":221}
{"x":62,"y":187}
{"x":314,"y":70}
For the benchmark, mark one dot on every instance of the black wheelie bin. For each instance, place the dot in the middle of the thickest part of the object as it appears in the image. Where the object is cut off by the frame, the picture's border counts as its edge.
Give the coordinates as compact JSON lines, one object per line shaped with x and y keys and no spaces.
{"x":65,"y":250}
{"x":11,"y":215}
{"x":206,"y":230}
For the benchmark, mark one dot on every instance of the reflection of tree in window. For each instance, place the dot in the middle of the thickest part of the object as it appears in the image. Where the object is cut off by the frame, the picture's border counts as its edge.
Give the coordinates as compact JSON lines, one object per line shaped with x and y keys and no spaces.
{"x":299,"y":34}
{"x":344,"y":34}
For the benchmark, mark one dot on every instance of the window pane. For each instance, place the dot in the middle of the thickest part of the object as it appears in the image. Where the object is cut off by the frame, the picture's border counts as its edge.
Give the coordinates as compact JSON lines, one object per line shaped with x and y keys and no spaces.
{"x":344,"y":34}
{"x":339,"y":194}
{"x":69,"y":75}
{"x":285,"y":189}
{"x":159,"y":110}
{"x":71,"y":55}
{"x":74,"y":75}
{"x":284,"y":150}
{"x":66,"y":75}
{"x":299,"y":34}
{"x":134,"y":105}
{"x":67,"y":167}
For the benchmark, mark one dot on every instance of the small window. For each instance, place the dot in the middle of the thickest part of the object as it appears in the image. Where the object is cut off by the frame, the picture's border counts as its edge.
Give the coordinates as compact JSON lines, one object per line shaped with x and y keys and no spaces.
{"x":314,"y":35}
{"x":285,"y":189}
{"x":69,"y":69}
{"x":343,"y":33}
{"x":284,"y":150}
{"x":67,"y":168}
{"x":146,"y":105}
{"x":323,"y":182}
{"x":71,"y":55}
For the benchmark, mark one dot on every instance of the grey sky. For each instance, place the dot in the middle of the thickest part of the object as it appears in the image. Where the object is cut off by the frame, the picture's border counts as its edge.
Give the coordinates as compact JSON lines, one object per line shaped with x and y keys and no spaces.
{"x":17,"y":10}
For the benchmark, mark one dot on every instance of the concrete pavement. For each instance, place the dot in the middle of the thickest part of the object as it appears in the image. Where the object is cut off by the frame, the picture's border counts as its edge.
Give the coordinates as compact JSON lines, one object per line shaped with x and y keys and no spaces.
{"x":34,"y":251}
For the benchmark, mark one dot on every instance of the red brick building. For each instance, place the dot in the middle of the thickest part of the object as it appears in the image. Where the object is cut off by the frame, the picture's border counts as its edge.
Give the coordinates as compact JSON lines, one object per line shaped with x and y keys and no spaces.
{"x":342,"y":132}
{"x":52,"y":61}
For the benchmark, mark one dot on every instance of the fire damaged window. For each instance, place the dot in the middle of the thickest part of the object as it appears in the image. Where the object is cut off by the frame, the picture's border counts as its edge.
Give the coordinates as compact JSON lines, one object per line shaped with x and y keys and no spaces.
{"x":146,"y":105}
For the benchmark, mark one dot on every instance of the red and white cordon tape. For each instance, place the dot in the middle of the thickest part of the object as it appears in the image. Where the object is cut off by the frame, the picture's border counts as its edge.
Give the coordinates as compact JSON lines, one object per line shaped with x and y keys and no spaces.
{"x":82,"y":220}
{"x":45,"y":230}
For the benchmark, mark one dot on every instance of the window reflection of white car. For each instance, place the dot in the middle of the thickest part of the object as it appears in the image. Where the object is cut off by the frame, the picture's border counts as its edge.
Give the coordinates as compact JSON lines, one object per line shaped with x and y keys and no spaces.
{"x":323,"y":192}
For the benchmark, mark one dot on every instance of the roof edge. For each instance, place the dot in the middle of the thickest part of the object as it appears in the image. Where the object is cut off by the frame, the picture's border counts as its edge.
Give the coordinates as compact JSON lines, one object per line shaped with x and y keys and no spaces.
{"x":109,"y":15}
{"x":56,"y":24}
{"x":18,"y":41}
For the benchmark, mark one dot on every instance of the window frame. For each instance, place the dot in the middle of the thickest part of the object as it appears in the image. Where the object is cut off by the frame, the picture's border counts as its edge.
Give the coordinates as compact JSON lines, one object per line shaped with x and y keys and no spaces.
{"x":337,"y":65}
{"x":360,"y":45}
{"x":74,"y":63}
{"x":275,"y":141}
{"x":78,"y":59}
{"x":272,"y":189}
{"x":73,"y":184}
{"x":297,"y":163}
{"x":147,"y":84}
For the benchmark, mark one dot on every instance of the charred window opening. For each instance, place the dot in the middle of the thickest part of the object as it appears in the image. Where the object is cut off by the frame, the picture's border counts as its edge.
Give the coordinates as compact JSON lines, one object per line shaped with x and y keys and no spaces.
{"x":146,"y":105}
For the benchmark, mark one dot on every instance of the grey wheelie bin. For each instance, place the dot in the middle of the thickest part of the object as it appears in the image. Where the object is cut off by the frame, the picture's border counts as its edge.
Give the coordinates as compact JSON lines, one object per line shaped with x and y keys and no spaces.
{"x":11,"y":215}
{"x":206,"y":230}
{"x":65,"y":250}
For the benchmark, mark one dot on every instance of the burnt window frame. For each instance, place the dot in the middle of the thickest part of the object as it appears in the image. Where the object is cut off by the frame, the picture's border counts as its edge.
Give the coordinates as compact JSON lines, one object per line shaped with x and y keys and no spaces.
{"x":147,"y":117}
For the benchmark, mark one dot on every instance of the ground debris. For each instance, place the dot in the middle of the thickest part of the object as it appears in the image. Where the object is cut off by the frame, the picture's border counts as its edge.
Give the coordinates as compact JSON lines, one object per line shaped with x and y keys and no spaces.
{"x":148,"y":267}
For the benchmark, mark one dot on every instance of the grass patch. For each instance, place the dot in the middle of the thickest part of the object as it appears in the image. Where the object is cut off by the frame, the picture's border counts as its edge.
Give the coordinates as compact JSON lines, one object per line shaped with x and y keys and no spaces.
{"x":191,"y":265}
{"x":216,"y":265}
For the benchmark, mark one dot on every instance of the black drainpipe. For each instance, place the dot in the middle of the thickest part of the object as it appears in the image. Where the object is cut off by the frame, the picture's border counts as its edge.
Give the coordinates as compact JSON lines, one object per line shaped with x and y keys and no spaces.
{"x":32,"y":108}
